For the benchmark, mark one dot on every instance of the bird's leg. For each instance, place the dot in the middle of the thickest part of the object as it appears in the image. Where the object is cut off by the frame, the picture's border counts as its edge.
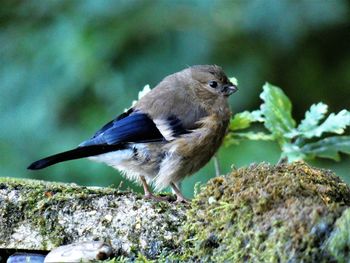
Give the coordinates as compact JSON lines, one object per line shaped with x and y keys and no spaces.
{"x":179,"y":197}
{"x":148,"y":193}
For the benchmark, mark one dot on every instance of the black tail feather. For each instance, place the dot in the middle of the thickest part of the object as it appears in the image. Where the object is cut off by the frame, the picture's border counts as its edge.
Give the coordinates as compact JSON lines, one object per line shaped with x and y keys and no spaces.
{"x":76,"y":153}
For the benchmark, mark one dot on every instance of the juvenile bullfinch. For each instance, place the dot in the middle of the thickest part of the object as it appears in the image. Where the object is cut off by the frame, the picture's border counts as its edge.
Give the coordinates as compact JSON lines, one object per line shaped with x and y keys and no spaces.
{"x":169,"y":134}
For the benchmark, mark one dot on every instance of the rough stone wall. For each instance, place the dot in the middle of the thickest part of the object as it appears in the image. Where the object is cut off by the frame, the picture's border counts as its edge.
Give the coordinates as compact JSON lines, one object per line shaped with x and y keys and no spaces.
{"x":39,"y":215}
{"x":261,"y":213}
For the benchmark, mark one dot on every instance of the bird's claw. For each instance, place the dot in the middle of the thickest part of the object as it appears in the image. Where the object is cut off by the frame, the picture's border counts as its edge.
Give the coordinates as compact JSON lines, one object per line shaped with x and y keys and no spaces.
{"x":153,"y":197}
{"x":182,"y":200}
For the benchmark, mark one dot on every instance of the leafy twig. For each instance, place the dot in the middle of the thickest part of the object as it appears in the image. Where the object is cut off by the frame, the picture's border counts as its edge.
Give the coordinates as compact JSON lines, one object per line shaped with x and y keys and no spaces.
{"x":310,"y":139}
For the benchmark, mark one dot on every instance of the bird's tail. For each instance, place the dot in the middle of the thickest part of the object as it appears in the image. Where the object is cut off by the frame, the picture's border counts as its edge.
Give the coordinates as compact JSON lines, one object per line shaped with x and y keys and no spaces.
{"x":76,"y":153}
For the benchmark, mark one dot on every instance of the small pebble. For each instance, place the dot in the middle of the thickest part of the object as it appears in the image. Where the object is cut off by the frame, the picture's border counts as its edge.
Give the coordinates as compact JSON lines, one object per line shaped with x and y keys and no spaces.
{"x":26,"y":258}
{"x":80,"y":252}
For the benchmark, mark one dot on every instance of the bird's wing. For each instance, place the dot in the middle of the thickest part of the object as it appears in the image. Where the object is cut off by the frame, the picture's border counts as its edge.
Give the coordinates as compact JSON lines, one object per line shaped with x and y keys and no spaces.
{"x":111,"y":123}
{"x":172,"y":106}
{"x":132,"y":127}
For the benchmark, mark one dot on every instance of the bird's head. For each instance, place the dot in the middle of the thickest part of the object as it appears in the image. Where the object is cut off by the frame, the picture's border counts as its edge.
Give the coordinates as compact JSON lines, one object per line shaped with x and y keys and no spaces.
{"x":213,"y":79}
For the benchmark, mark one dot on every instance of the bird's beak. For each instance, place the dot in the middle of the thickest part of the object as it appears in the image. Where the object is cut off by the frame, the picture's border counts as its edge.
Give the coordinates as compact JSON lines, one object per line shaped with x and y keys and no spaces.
{"x":229,"y":89}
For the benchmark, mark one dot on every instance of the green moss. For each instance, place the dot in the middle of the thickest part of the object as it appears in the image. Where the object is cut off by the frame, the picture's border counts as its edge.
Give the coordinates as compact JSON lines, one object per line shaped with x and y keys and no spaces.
{"x":261,"y":213}
{"x":38,"y":196}
{"x":140,"y":258}
{"x":338,"y":243}
{"x":265,"y":213}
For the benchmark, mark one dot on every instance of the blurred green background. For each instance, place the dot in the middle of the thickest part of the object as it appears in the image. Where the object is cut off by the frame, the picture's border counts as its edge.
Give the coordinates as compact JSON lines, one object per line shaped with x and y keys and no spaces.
{"x":68,"y":67}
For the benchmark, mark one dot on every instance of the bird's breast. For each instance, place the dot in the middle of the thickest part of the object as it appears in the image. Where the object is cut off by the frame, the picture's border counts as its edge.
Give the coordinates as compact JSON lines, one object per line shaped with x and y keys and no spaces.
{"x":197,"y":147}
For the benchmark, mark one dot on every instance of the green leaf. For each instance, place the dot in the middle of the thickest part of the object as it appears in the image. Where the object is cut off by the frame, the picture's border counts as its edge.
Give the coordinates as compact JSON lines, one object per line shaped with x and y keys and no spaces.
{"x":312,"y":117}
{"x":328,"y":147}
{"x":237,"y":137}
{"x":335,"y":123}
{"x":292,"y":152}
{"x":277,"y":110}
{"x":230,"y":139}
{"x":253,"y":136}
{"x":234,"y":81}
{"x":244,"y":119}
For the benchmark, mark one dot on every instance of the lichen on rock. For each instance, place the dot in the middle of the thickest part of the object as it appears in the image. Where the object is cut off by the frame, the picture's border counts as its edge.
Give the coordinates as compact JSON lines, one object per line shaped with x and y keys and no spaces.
{"x":338,"y":244}
{"x":261,"y":213}
{"x":265,"y":213}
{"x":37,"y":215}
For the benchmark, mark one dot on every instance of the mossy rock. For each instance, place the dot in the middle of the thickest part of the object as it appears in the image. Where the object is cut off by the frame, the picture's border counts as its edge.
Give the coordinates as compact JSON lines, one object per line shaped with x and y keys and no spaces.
{"x":338,"y":244}
{"x":37,"y":215}
{"x":262,"y":213}
{"x":265,"y":213}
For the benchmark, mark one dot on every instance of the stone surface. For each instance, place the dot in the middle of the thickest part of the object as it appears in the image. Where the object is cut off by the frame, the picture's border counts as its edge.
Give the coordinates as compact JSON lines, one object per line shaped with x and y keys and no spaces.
{"x":261,"y":213}
{"x":38,"y":215}
{"x":80,"y":252}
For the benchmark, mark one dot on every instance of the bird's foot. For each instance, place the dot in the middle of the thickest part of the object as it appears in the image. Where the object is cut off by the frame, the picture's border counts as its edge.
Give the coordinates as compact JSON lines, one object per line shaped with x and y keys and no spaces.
{"x":153,"y":197}
{"x":148,"y":193}
{"x":182,"y":200}
{"x":179,"y":196}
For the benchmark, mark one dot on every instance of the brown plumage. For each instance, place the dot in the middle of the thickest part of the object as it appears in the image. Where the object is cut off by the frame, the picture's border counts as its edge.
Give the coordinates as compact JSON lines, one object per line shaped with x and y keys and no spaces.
{"x":170,"y":133}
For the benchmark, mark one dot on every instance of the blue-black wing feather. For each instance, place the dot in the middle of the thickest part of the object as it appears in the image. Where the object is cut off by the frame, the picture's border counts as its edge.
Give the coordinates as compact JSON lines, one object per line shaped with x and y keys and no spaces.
{"x":176,"y":126}
{"x":110,"y":124}
{"x":131,"y":128}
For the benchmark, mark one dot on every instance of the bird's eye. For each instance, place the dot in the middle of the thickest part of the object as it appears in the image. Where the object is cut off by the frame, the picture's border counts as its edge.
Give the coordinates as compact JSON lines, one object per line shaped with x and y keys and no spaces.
{"x":213,"y":84}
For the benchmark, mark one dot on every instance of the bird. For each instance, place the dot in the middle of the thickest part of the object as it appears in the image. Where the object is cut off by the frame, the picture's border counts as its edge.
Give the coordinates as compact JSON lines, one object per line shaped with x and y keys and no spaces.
{"x":167,"y":135}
